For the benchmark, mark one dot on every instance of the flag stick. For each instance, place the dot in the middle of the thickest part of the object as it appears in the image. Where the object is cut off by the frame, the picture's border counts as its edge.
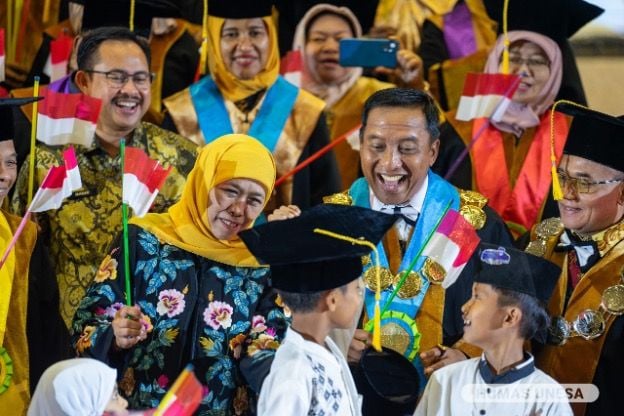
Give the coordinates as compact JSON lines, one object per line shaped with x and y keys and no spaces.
{"x":406,"y":272}
{"x":315,"y":156}
{"x":33,"y":136}
{"x":124,"y":221}
{"x":485,"y":125}
{"x":16,"y":235}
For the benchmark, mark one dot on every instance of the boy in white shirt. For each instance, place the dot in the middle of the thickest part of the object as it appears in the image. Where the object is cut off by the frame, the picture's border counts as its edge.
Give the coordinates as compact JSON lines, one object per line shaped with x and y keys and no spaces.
{"x":318,"y":279}
{"x":505,"y":310}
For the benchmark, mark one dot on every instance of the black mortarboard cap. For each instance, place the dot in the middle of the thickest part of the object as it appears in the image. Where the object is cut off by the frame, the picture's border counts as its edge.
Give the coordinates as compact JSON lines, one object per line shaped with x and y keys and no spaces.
{"x":303,"y":261}
{"x":388,"y":382}
{"x":240,"y":9}
{"x":99,"y":13}
{"x":512,"y":269}
{"x":7,"y":131}
{"x":557,"y":19}
{"x":595,"y":136}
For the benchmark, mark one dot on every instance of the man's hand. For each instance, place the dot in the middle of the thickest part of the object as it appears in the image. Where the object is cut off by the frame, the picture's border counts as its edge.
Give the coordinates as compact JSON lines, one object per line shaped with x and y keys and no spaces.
{"x":438,"y":357}
{"x":127,"y":327}
{"x":285,"y":212}
{"x":360,"y":342}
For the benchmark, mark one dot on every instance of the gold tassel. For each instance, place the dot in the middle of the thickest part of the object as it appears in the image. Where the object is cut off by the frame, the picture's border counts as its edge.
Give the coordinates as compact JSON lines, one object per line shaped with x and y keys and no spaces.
{"x":377,"y":314}
{"x":557,"y":192}
{"x":506,"y":39}
{"x":131,"y":22}
{"x":203,"y":53}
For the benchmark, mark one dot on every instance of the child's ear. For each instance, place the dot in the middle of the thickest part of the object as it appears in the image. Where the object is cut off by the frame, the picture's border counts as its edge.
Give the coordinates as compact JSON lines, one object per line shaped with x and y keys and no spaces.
{"x":331,"y":300}
{"x":513,"y":316}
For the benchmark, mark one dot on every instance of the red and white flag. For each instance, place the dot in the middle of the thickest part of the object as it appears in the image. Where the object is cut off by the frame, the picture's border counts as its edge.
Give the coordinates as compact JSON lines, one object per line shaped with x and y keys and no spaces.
{"x":184,"y":397}
{"x":67,"y":118}
{"x":57,"y":65}
{"x":142,"y":179}
{"x":1,"y":54}
{"x":451,"y":246}
{"x":486,"y":95}
{"x":58,"y":184}
{"x":291,"y":67}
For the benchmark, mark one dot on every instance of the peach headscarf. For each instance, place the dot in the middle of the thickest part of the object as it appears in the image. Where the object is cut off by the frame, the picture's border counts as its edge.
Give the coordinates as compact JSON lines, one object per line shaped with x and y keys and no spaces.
{"x":186,"y":224}
{"x":521,"y":116}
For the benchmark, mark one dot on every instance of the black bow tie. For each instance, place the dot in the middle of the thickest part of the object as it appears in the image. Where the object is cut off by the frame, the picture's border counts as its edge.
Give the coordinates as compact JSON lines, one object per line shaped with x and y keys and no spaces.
{"x":586,"y":251}
{"x":408,"y":213}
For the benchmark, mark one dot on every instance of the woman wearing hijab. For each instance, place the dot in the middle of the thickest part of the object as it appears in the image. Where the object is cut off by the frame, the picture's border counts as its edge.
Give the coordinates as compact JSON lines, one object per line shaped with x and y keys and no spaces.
{"x":344,"y":89}
{"x":245,"y":94}
{"x":512,"y":159}
{"x":199,"y":295}
{"x":78,"y":387}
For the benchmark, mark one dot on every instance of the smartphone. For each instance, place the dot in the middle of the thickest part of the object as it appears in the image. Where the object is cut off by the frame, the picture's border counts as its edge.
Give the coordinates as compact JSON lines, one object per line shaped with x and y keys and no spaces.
{"x":368,"y":52}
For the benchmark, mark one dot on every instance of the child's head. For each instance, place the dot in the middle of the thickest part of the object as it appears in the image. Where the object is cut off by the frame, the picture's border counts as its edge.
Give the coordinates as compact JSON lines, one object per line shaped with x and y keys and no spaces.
{"x":80,"y":386}
{"x":315,"y":263}
{"x":508,"y":297}
{"x":341,"y":304}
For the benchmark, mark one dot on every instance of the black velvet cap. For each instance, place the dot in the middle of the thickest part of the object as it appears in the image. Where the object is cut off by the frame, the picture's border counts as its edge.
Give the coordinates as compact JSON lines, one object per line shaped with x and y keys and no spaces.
{"x":240,"y":9}
{"x":557,"y":19}
{"x":508,"y":268}
{"x":595,"y":136}
{"x":7,"y":130}
{"x":99,"y":13}
{"x":303,"y":261}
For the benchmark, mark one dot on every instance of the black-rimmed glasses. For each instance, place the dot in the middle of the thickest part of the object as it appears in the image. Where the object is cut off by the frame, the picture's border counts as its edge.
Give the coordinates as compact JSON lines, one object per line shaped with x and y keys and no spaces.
{"x":117,"y":78}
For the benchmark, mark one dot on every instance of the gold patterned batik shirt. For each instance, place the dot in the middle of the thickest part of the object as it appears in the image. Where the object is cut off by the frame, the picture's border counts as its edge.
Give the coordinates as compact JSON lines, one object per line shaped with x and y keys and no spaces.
{"x":79,"y":233}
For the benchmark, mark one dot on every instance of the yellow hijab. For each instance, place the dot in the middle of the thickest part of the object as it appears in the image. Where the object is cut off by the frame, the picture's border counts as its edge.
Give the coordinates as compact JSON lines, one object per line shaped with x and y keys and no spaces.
{"x":186,"y":224}
{"x":232,"y":88}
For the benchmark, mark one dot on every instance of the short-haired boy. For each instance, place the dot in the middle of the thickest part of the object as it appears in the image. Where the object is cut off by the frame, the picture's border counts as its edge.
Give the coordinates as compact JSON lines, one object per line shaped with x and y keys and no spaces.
{"x":505,"y":310}
{"x":318,"y":278}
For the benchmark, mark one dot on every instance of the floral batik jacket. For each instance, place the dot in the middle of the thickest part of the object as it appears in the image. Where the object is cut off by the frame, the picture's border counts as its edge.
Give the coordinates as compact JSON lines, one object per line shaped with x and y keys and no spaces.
{"x":197,"y":310}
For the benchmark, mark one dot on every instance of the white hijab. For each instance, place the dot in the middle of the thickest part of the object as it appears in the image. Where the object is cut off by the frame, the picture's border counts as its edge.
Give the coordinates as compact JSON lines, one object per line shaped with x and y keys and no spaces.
{"x":76,"y":387}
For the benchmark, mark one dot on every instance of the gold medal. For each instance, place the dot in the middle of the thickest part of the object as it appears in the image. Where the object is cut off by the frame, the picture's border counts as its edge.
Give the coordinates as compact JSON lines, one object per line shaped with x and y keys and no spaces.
{"x":537,"y":248}
{"x":589,"y":324}
{"x":474,"y":215}
{"x":370,"y":277}
{"x":341,"y":198}
{"x":433,"y":271}
{"x":411,"y":286}
{"x":549,"y":228}
{"x":472,"y":198}
{"x":613,"y":299}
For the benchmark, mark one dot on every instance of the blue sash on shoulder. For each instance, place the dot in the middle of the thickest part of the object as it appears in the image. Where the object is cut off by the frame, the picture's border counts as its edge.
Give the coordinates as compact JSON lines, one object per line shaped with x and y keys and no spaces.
{"x":439,"y":193}
{"x":214,"y":120}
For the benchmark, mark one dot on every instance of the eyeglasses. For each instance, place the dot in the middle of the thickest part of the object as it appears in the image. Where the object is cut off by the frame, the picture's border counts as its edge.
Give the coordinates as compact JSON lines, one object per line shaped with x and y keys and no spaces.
{"x":516,"y":61}
{"x":117,"y":78}
{"x":581,"y":185}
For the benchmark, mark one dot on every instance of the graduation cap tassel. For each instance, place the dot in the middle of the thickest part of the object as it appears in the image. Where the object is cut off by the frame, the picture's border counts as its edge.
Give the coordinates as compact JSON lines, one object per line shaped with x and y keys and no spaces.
{"x":203,"y":53}
{"x":505,"y":69}
{"x":131,"y":22}
{"x":377,"y":315}
{"x":556,"y":185}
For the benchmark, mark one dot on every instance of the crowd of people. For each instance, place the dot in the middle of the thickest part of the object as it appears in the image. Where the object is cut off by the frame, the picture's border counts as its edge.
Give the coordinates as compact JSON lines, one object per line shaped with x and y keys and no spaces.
{"x":288,"y":254}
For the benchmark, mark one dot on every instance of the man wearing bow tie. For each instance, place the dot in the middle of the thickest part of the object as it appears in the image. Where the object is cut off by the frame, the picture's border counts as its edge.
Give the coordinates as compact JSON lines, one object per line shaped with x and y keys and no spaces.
{"x":399,"y":144}
{"x":585,"y":340}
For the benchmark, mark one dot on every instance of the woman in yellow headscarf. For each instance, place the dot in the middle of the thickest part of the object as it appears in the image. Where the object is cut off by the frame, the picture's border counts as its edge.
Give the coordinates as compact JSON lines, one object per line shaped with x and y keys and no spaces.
{"x":199,"y":294}
{"x":244,"y":93}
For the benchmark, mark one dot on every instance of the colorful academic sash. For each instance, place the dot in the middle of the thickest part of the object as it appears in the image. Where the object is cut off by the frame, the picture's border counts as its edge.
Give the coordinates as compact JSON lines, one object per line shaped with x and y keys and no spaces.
{"x":520,"y":206}
{"x":214,"y":119}
{"x":402,"y":312}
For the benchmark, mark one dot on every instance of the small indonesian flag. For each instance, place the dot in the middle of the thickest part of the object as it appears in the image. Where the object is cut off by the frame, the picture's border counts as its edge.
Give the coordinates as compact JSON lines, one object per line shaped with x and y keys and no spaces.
{"x":1,"y":54}
{"x":60,"y":51}
{"x":451,"y":246}
{"x":486,"y":95}
{"x":143,"y":177}
{"x":291,"y":67}
{"x":184,"y":396}
{"x":67,"y":118}
{"x":58,"y":184}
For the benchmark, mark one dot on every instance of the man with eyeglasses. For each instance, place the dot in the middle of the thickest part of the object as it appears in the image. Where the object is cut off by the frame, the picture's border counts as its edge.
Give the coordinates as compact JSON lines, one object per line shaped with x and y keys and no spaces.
{"x":587,"y":332}
{"x":113,"y":66}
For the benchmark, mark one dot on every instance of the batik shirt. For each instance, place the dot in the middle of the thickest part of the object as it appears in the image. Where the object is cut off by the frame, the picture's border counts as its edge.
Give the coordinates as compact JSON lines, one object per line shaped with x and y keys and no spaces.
{"x":198,"y":311}
{"x":80,"y":232}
